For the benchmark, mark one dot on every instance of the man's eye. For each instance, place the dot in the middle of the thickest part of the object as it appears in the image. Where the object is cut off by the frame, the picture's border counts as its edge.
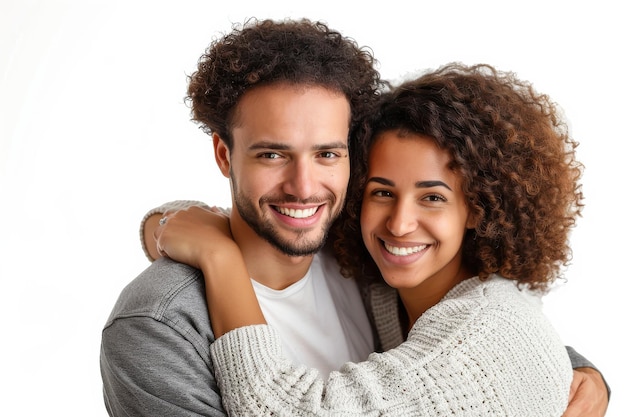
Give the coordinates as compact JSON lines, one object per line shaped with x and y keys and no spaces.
{"x":328,"y":154}
{"x":270,"y":155}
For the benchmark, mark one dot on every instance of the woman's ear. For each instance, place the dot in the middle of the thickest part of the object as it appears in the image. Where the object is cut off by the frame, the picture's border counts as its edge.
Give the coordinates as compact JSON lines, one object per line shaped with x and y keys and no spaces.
{"x":472,"y":221}
{"x":222,"y":155}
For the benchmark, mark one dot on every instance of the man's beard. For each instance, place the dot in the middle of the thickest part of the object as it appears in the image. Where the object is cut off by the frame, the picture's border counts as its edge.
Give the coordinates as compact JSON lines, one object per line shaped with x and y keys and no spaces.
{"x":298,"y":246}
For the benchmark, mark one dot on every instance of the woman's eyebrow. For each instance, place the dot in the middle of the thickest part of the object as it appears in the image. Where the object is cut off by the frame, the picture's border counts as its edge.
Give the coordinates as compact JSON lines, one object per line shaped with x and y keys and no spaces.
{"x":381,"y":180}
{"x":419,"y":184}
{"x":430,"y":184}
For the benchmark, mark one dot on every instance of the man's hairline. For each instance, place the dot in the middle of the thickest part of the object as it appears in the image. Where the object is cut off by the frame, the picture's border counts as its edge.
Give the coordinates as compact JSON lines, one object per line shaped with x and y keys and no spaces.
{"x":233,"y":120}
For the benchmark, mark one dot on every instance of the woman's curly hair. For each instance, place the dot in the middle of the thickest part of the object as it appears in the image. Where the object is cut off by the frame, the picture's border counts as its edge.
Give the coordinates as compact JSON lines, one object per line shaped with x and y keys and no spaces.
{"x":513,"y":151}
{"x":298,"y":52}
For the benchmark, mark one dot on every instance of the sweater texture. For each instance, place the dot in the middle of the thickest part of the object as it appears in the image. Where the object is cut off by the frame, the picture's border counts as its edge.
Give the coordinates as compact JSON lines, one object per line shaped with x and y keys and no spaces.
{"x":485,"y":350}
{"x":155,"y":358}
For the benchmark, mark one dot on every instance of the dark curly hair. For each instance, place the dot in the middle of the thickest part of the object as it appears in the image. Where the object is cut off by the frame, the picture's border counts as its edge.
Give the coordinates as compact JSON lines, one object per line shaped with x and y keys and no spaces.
{"x":517,"y":161}
{"x":298,"y":52}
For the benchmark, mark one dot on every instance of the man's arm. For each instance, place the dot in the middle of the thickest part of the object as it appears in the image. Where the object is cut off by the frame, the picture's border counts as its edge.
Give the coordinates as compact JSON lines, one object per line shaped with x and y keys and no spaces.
{"x":150,"y":369}
{"x":589,"y":394}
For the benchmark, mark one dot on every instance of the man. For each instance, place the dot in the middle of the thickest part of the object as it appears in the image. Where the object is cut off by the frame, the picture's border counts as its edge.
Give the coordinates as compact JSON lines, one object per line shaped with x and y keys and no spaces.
{"x":284,"y":145}
{"x":283,"y":101}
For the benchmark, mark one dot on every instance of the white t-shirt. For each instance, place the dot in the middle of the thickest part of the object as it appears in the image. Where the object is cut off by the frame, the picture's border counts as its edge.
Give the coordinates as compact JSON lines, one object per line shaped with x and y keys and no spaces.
{"x":320,"y":318}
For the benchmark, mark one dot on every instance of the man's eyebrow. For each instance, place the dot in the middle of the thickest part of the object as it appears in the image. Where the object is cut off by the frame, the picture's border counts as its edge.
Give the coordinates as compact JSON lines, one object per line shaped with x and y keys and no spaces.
{"x":269,"y":145}
{"x":331,"y":145}
{"x":279,"y":146}
{"x":419,"y":184}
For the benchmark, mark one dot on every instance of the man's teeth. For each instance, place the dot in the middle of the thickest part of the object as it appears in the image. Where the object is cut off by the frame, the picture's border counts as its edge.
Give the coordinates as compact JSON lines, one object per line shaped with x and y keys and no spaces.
{"x":297,"y":213}
{"x":404,"y":251}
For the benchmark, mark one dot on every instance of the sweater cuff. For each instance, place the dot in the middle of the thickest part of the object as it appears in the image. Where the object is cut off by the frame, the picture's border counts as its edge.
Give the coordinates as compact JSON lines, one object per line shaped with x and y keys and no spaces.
{"x":258,"y":341}
{"x":244,"y":354}
{"x":169,"y":206}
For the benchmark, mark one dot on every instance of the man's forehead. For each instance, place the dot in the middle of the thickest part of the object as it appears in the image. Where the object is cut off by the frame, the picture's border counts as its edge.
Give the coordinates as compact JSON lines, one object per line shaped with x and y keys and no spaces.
{"x":288,"y":117}
{"x":273,"y":95}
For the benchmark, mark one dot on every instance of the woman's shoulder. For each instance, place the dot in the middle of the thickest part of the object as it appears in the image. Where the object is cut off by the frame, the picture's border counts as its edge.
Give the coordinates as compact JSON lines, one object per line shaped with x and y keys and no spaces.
{"x":478,"y":308}
{"x":493,"y":292}
{"x":491,"y":327}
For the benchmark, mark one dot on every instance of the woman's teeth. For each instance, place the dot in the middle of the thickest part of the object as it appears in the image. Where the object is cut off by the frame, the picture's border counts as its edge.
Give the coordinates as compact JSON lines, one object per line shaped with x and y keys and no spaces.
{"x":403,"y":251}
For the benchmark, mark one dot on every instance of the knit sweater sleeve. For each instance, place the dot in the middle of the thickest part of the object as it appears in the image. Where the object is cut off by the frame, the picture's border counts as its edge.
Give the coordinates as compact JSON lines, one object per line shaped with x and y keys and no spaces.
{"x":482,"y":351}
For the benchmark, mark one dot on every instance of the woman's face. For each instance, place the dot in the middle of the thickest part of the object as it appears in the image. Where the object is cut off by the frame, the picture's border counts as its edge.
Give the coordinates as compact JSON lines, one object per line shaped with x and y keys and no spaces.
{"x":414,"y":214}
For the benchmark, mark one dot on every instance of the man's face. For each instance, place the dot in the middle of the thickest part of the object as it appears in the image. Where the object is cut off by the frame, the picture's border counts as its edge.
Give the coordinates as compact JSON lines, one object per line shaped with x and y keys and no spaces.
{"x":289,"y":164}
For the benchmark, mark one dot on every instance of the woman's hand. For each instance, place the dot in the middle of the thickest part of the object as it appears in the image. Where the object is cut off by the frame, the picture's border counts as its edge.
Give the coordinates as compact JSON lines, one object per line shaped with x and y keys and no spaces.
{"x":191,"y":235}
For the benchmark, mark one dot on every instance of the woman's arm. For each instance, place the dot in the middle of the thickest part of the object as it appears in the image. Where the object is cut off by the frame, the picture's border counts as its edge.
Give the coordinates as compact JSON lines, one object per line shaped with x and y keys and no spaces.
{"x":454,"y":359}
{"x":185,"y":240}
{"x":463,"y":357}
{"x":201,"y":238}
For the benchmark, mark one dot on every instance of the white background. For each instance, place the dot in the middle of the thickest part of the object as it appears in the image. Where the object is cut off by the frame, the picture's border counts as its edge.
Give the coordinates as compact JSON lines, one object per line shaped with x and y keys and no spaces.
{"x":94,"y":132}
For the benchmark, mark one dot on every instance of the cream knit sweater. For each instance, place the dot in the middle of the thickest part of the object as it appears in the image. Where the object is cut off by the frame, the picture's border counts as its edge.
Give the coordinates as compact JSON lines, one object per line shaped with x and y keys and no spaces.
{"x":485,"y":350}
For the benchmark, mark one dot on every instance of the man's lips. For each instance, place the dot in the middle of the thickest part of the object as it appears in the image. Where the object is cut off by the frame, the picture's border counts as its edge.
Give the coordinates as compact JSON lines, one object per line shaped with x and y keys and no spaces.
{"x":297,"y":213}
{"x":300,"y":217}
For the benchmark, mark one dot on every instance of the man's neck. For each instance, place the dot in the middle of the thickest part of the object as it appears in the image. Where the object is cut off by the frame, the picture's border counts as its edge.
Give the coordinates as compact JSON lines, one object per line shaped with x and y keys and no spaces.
{"x":266,"y":264}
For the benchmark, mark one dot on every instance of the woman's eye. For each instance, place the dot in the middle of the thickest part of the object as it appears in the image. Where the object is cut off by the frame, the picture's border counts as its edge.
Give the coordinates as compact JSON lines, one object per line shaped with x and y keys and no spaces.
{"x":381,"y":193}
{"x":435,"y":198}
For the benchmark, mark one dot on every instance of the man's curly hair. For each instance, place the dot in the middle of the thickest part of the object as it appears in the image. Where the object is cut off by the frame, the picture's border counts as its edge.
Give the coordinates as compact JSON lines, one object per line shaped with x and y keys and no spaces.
{"x":297,"y":52}
{"x":516,"y":158}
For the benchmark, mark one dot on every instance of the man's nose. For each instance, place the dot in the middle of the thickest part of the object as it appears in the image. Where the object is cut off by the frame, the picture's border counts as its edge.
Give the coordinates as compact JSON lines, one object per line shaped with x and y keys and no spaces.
{"x":302,"y":180}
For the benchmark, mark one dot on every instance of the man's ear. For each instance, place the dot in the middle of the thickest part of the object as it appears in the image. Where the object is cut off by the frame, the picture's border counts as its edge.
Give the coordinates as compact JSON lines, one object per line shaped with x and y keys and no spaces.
{"x":222,"y":155}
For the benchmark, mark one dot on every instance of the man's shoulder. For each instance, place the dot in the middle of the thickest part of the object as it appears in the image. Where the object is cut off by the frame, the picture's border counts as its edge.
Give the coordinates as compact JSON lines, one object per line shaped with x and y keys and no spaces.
{"x":164,"y":291}
{"x":157,"y":336}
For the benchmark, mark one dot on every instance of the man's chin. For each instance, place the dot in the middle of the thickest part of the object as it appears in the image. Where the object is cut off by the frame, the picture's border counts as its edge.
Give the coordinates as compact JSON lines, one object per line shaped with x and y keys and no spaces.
{"x":298,"y":247}
{"x":301,"y":253}
{"x":289,"y":241}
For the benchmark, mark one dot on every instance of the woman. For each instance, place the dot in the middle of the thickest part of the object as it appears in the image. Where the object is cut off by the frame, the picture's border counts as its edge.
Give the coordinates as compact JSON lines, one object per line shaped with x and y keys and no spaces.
{"x":468,"y":196}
